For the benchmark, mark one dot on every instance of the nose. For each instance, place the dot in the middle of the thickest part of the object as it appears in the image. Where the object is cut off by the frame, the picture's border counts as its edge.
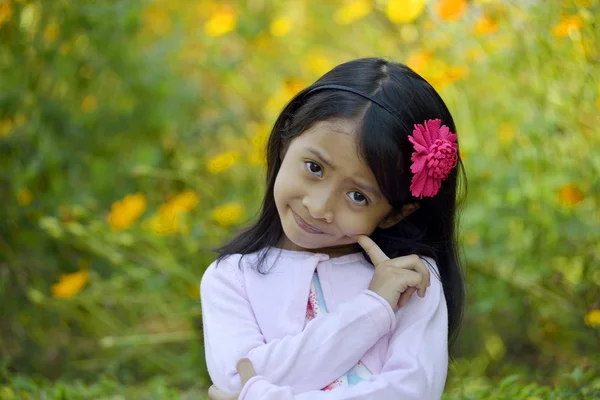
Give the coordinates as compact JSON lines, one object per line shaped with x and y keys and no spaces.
{"x":319,"y":205}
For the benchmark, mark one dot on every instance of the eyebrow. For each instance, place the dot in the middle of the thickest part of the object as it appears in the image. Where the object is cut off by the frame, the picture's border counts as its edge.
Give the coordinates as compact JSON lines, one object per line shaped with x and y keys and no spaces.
{"x":363,"y":186}
{"x":321,"y":157}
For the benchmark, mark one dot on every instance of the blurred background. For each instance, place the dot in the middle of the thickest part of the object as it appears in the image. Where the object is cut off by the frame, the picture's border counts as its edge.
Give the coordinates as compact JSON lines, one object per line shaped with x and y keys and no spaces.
{"x":131,"y":144}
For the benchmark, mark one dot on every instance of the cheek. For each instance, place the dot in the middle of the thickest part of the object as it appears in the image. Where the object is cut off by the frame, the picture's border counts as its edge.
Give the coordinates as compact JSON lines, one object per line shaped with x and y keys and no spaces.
{"x":359,"y":224}
{"x":278,"y":190}
{"x":286,"y":185}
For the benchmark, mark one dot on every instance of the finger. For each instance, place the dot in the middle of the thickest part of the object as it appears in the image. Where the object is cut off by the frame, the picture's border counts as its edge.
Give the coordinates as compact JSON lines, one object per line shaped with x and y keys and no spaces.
{"x":414,"y":263}
{"x":246,"y":370}
{"x":413,"y":280}
{"x":376,"y":255}
{"x":214,"y":393}
{"x":405,"y":297}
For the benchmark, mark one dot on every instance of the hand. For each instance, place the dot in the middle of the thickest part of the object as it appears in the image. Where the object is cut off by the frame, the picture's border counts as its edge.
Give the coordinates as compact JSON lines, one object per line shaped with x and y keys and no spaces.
{"x":395,"y":280}
{"x":246,"y":371}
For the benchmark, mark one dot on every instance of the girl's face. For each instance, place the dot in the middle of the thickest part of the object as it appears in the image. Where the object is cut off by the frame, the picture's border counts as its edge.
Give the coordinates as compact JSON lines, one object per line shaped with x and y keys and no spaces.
{"x":325,"y":193}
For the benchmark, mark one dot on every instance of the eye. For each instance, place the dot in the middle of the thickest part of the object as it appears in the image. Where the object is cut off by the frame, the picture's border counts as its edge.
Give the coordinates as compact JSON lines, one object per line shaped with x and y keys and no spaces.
{"x":313,"y":168}
{"x":358,"y":198}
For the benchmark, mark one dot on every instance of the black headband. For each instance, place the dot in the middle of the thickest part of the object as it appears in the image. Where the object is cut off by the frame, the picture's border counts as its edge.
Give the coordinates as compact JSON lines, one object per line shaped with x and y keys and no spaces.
{"x":355,"y":91}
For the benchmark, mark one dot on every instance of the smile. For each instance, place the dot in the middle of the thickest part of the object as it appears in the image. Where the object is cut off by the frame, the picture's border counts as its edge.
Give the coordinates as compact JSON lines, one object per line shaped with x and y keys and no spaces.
{"x":306,"y":226}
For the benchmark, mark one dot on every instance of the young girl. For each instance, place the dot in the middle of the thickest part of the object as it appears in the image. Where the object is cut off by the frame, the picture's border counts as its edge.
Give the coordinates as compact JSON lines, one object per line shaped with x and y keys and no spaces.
{"x":318,"y":294}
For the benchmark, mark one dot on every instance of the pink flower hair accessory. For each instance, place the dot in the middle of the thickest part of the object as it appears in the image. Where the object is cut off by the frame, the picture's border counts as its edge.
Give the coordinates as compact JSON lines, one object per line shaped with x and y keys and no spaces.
{"x":435,"y":155}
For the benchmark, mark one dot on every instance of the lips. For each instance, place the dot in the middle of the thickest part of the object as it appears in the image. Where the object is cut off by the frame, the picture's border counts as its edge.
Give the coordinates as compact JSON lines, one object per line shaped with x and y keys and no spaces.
{"x":306,"y":226}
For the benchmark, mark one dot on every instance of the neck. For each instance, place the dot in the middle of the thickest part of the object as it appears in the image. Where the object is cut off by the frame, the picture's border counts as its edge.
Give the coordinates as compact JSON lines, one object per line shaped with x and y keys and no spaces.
{"x":334,"y":251}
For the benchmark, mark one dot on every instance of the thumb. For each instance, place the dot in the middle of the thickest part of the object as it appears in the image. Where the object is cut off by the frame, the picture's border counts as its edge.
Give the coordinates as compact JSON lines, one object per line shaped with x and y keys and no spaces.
{"x":246,"y":370}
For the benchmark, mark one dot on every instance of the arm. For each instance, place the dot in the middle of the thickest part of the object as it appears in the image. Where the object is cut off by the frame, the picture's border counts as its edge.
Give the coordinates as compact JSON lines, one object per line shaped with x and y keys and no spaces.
{"x":231,"y":333}
{"x":415,"y":368}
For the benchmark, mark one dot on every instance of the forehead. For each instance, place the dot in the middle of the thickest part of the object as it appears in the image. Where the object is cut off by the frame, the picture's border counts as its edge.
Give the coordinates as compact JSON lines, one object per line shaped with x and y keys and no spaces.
{"x":337,"y":141}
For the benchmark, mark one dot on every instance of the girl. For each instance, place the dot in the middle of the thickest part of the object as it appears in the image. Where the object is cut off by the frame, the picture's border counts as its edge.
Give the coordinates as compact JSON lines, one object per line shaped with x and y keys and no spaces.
{"x":360,"y":206}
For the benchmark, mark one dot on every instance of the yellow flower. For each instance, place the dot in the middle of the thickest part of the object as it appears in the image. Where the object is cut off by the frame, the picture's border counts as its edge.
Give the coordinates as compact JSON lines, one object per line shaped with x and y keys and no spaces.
{"x":506,"y":134}
{"x":6,"y":126}
{"x":125,"y":212}
{"x":318,"y":63}
{"x":166,"y":222}
{"x":89,"y":104}
{"x":259,"y":139}
{"x":287,"y":90}
{"x":5,"y":12}
{"x":353,"y":11}
{"x":570,"y":195}
{"x":51,"y":32}
{"x":434,"y":70}
{"x":168,"y":219}
{"x":228,"y":214}
{"x":567,"y":25}
{"x":222,"y":162}
{"x":592,"y":318}
{"x":222,"y":21}
{"x":457,"y":72}
{"x":419,"y":60}
{"x":24,"y":197}
{"x":405,"y":11}
{"x":281,"y":26}
{"x":185,"y":201}
{"x":292,"y":86}
{"x":451,"y":10}
{"x":485,"y":25}
{"x":70,"y":284}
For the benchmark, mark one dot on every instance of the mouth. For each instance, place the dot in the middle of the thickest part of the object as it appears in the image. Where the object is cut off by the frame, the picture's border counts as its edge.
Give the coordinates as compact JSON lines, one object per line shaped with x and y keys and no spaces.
{"x":305,"y":226}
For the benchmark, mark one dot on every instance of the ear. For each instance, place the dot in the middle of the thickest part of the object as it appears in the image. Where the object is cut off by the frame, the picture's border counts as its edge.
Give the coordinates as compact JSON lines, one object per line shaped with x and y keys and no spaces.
{"x":394,"y":217}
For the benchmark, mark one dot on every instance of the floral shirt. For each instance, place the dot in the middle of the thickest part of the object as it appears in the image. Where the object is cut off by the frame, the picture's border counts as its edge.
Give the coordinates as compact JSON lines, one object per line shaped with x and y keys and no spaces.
{"x":316,"y":306}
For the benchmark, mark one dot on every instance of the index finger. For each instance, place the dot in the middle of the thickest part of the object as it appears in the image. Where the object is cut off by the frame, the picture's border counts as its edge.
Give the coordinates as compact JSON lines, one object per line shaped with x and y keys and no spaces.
{"x":376,"y":255}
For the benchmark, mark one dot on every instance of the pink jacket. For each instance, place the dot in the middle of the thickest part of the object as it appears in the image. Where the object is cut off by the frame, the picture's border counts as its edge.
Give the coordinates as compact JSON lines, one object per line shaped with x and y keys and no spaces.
{"x":262,"y":317}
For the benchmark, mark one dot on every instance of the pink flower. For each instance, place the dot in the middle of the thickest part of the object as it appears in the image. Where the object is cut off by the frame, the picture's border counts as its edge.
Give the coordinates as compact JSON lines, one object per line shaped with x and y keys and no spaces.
{"x":435,"y":155}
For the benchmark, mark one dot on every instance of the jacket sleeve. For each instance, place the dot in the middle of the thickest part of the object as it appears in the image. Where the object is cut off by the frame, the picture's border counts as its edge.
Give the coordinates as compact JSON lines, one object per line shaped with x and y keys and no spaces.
{"x":308,"y":360}
{"x":416,"y":362}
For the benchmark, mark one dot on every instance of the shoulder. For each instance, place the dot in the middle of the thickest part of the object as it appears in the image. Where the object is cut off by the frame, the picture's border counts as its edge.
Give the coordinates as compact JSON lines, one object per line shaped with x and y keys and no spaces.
{"x":229,"y":270}
{"x":225,"y":268}
{"x":434,"y":296}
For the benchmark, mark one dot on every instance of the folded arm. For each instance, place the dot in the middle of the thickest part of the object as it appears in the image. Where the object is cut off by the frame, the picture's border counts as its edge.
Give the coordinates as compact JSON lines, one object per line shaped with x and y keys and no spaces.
{"x":231,"y":333}
{"x":416,"y":363}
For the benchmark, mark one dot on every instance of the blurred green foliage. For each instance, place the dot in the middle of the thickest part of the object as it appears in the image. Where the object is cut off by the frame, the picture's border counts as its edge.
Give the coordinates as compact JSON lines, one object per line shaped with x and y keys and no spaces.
{"x":131,"y":138}
{"x":574,"y":386}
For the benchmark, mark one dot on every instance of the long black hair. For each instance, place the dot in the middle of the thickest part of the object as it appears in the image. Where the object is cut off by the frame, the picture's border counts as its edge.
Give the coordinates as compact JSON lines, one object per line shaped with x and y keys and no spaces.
{"x":383,"y":142}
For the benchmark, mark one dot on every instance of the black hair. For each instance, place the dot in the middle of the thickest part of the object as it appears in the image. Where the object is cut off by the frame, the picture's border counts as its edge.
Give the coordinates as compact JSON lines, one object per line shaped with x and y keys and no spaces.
{"x":383,"y":142}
